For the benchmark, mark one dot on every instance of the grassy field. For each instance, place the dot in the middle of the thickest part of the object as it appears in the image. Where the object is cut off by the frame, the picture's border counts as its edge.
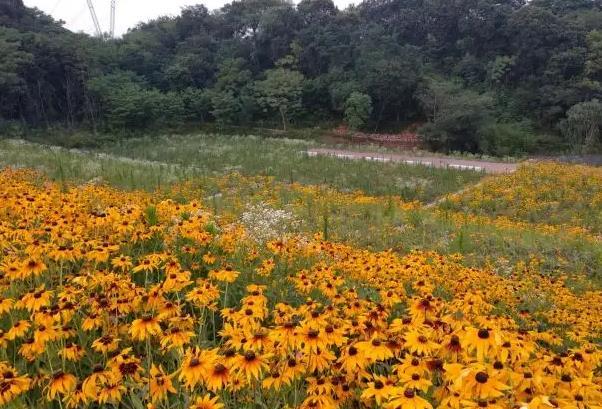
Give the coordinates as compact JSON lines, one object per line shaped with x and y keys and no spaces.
{"x":347,"y":215}
{"x":149,"y":163}
{"x":193,"y":273}
{"x":285,"y":160}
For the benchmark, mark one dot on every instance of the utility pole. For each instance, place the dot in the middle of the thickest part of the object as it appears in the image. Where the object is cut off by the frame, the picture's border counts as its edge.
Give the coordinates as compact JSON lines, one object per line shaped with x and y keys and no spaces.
{"x":94,"y":18}
{"x":99,"y":32}
{"x":112,"y":30}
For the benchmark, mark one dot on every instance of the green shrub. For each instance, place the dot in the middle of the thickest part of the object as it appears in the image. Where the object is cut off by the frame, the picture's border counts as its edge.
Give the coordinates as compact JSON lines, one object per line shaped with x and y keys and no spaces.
{"x":507,"y":138}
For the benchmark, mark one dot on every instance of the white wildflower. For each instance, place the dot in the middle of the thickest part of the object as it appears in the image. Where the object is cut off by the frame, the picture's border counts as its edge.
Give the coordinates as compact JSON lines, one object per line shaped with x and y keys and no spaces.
{"x":264,"y":223}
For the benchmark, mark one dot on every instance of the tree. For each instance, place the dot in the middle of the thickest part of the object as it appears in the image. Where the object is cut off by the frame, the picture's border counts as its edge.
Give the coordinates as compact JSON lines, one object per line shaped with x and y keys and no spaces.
{"x":172,"y":109}
{"x":231,"y":96}
{"x":281,"y":91}
{"x":593,"y":65}
{"x":583,"y":125}
{"x":13,"y":86}
{"x":197,"y":104}
{"x":227,"y":107}
{"x":125,"y":103}
{"x":390,"y":79}
{"x":456,"y":116}
{"x":500,"y":68}
{"x":358,"y":109}
{"x":535,"y":35}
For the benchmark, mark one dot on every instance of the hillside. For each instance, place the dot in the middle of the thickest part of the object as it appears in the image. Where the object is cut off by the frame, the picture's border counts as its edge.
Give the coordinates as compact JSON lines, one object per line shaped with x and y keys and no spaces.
{"x":500,"y":77}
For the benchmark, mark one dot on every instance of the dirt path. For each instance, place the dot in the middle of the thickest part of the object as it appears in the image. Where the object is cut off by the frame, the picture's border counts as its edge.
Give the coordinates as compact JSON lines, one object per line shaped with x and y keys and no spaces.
{"x":434,"y":161}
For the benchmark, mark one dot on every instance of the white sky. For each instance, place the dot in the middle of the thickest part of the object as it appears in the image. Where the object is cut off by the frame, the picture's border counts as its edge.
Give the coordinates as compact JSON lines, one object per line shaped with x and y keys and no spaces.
{"x":76,"y":15}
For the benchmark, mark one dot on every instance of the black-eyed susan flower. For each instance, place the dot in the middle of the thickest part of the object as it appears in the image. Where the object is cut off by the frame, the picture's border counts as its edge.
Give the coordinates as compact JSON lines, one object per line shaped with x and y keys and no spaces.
{"x":196,"y":366}
{"x":378,"y":390}
{"x":160,"y":384}
{"x":251,"y":365}
{"x":206,"y":402}
{"x":105,"y":344}
{"x":408,"y":399}
{"x":145,"y":327}
{"x":60,"y":383}
{"x":12,"y":384}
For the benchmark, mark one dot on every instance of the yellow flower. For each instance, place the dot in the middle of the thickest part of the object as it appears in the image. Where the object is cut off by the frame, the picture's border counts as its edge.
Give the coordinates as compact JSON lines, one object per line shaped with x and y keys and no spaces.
{"x":380,"y":390}
{"x":176,"y":338}
{"x":61,"y":383}
{"x":160,"y":384}
{"x":122,"y":262}
{"x":206,"y":402}
{"x":408,"y":399}
{"x":251,"y":365}
{"x":72,"y":352}
{"x":483,"y":341}
{"x":143,"y":328}
{"x":227,"y":275}
{"x":11,"y":384}
{"x":32,"y":266}
{"x":476,"y":382}
{"x":374,"y":350}
{"x":111,"y":392}
{"x":218,"y":377}
{"x":419,"y":342}
{"x":196,"y":366}
{"x":105,"y":344}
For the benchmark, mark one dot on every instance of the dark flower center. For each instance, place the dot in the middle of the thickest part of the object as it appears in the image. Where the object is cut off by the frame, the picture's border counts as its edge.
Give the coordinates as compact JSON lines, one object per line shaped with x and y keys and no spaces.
{"x":481,"y":377}
{"x":483,"y":334}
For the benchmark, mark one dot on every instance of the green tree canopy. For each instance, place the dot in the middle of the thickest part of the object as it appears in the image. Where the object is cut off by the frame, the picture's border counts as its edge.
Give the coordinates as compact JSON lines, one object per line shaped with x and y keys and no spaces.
{"x":281,"y":91}
{"x":358,"y":109}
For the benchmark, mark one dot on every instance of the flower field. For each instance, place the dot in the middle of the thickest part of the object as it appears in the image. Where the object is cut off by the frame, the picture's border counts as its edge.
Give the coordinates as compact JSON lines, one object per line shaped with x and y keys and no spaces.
{"x":554,"y":194}
{"x":134,"y":299}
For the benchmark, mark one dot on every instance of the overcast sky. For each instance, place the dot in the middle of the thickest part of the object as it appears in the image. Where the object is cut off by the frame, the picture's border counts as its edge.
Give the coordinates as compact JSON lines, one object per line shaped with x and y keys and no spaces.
{"x":129,"y":12}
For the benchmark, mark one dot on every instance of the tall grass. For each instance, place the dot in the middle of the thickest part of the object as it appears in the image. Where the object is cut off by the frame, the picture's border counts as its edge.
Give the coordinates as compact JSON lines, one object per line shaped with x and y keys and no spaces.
{"x":286,"y":160}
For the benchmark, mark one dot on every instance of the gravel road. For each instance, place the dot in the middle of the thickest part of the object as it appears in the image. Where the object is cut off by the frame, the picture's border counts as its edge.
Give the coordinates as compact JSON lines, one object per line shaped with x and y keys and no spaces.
{"x":434,"y":161}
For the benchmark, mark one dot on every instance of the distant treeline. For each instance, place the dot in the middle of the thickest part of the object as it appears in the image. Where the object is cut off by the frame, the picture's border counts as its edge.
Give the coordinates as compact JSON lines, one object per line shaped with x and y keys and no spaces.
{"x":495,"y":76}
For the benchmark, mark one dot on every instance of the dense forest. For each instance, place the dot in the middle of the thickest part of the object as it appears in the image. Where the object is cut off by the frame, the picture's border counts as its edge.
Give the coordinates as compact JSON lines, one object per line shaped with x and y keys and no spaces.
{"x":493,"y":76}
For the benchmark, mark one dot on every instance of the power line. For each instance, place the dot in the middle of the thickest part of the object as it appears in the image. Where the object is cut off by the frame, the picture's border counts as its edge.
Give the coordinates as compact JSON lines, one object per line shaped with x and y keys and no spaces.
{"x":77,"y":16}
{"x":55,"y":6}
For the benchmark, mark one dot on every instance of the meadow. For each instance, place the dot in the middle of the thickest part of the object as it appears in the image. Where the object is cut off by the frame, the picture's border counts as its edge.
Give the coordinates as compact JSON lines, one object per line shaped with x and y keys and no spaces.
{"x":181,"y":157}
{"x":223,"y":272}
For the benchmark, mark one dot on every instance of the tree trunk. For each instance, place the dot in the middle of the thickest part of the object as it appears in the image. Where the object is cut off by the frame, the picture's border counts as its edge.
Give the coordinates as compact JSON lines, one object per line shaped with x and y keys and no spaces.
{"x":42,"y":108}
{"x":69,"y":101}
{"x":380,"y":116}
{"x":283,"y":116}
{"x":591,"y":136}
